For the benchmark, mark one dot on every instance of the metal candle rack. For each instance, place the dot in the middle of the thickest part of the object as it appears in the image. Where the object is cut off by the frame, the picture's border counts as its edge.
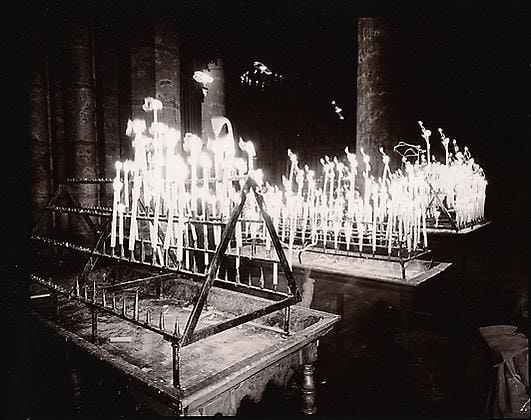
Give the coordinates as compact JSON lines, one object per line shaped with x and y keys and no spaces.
{"x":98,"y":303}
{"x":447,"y":220}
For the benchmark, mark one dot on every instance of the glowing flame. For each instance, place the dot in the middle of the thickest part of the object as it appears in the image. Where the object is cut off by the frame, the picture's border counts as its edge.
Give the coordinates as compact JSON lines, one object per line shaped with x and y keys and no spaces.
{"x":202,"y":77}
{"x":248,"y":147}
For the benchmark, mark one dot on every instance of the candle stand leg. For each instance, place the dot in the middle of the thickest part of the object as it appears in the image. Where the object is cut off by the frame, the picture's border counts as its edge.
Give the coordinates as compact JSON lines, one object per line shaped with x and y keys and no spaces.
{"x":158,"y":288}
{"x":287,"y":316}
{"x":308,"y":390}
{"x":55,"y":303}
{"x":176,"y":373}
{"x":94,"y":325}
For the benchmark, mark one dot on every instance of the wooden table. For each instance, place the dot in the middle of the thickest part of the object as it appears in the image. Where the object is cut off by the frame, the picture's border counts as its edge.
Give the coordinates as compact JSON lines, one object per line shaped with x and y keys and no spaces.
{"x":216,"y":372}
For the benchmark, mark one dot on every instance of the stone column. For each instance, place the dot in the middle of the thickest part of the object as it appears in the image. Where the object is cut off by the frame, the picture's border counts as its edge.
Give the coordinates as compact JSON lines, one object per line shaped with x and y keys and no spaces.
{"x":107,"y":108}
{"x":214,"y":103}
{"x":375,"y":126}
{"x":142,"y":57}
{"x":167,"y":72}
{"x":155,"y":72}
{"x":39,"y":130}
{"x":80,"y":122}
{"x":56,"y":61}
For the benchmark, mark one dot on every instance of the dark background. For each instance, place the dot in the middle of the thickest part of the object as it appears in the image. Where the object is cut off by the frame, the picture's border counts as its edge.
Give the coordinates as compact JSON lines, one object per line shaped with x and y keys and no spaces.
{"x":462,"y":68}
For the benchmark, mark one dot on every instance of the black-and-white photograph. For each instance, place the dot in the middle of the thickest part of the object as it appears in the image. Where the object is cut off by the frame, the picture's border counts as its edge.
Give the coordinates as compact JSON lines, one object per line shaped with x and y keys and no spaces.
{"x":262,"y":209}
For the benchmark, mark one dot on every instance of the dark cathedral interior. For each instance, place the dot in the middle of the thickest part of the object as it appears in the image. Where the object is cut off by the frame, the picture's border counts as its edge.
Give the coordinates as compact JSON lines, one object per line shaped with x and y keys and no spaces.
{"x":264,"y":209}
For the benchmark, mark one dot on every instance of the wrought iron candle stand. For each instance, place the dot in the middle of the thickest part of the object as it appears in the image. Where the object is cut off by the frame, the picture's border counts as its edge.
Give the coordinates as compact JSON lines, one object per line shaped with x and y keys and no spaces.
{"x":167,"y":266}
{"x":335,"y":243}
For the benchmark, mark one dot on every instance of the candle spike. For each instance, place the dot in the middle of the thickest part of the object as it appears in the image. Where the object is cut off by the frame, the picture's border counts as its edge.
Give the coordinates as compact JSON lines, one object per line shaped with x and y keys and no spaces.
{"x":78,"y":292}
{"x":85,"y":292}
{"x":148,"y":316}
{"x":94,"y":290}
{"x":124,"y":305}
{"x":113,"y":302}
{"x":103,"y":298}
{"x":177,"y":328}
{"x":136,"y":306}
{"x":161,"y":320}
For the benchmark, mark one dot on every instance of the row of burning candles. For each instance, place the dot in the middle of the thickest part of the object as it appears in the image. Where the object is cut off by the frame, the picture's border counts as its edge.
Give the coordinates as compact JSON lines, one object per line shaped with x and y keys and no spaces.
{"x":190,"y":263}
{"x":397,"y":203}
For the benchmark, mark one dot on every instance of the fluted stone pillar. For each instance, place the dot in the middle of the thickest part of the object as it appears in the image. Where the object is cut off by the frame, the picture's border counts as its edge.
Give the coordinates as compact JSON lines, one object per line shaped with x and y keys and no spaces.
{"x":375,"y":125}
{"x":214,"y":102}
{"x":39,"y":130}
{"x":80,"y":122}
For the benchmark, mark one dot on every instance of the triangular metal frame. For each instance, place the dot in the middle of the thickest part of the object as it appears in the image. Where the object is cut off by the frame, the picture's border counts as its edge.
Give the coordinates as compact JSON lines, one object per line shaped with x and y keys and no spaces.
{"x":441,"y":205}
{"x":63,"y":190}
{"x":189,"y":334}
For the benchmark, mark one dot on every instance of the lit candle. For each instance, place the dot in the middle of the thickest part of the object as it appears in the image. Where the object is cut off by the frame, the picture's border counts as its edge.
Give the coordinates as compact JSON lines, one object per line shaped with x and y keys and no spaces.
{"x":194,"y":234}
{"x":216,"y":146}
{"x":374,"y":215}
{"x":206,"y":164}
{"x":117,"y":186}
{"x":351,"y":157}
{"x":360,"y":227}
{"x":248,"y":147}
{"x":366,"y":160}
{"x":293,"y":159}
{"x":426,"y":135}
{"x":193,"y":145}
{"x":212,"y":200}
{"x":385,"y":159}
{"x":275,"y":274}
{"x":240,"y":166}
{"x":155,"y":224}
{"x":239,"y":240}
{"x":171,"y":209}
{"x":121,"y":208}
{"x":445,"y":142}
{"x":217,"y":235}
{"x":133,"y":228}
{"x":347,"y":229}
{"x":126,"y":167}
{"x":137,"y":127}
{"x":205,"y":244}
{"x":331,"y":190}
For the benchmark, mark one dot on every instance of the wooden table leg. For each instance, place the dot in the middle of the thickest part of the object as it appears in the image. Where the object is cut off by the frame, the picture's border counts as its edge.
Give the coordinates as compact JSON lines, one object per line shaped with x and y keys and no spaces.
{"x":77,"y":397}
{"x":308,"y":389}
